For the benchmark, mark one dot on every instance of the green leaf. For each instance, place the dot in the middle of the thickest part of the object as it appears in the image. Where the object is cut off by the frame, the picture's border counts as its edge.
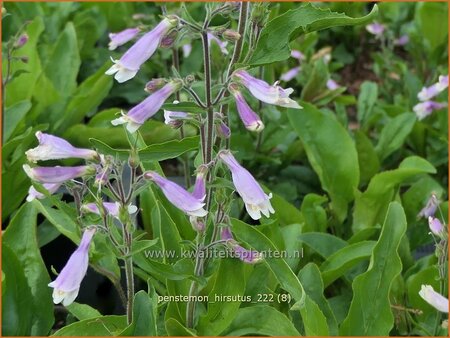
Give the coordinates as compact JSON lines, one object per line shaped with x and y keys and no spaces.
{"x":331,"y":152}
{"x":314,"y":320}
{"x":83,"y":311}
{"x":286,"y":213}
{"x":86,"y":98}
{"x":220,"y":314}
{"x":273,"y":44}
{"x":369,"y":164}
{"x":260,"y":320}
{"x":154,"y":152}
{"x":287,"y":279}
{"x":368,"y":95}
{"x":144,"y":316}
{"x":13,"y":116}
{"x":372,"y":316}
{"x":339,"y":262}
{"x":314,"y":214}
{"x":20,"y":236}
{"x":175,"y":328}
{"x":394,"y":134}
{"x":316,"y":82}
{"x":432,"y":21}
{"x":187,"y":107}
{"x":312,"y":282}
{"x":371,"y":205}
{"x":100,"y":326}
{"x":324,"y":244}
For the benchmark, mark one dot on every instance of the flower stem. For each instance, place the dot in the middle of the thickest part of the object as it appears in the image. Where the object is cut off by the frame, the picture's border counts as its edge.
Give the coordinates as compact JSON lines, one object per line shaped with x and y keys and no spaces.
{"x":129,"y":275}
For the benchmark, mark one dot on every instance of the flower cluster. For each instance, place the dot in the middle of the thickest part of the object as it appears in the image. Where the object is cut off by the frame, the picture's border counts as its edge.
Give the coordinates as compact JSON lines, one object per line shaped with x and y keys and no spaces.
{"x":427,"y":105}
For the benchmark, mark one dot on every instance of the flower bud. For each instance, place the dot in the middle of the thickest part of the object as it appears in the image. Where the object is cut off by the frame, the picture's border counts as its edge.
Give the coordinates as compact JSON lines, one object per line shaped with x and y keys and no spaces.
{"x":21,"y":41}
{"x":133,"y":160}
{"x":197,"y":224}
{"x":24,"y":59}
{"x":188,"y":80}
{"x":259,"y":14}
{"x":168,"y":40}
{"x":154,"y":84}
{"x":231,"y":35}
{"x":222,"y":130}
{"x":436,"y":226}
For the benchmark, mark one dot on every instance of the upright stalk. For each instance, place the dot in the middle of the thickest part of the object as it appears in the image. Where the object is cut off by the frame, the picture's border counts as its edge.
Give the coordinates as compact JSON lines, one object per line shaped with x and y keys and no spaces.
{"x":129,"y":275}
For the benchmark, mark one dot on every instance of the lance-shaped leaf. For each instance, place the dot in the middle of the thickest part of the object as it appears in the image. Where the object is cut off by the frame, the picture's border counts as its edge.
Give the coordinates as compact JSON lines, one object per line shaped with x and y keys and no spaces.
{"x":273,"y":45}
{"x":370,"y":312}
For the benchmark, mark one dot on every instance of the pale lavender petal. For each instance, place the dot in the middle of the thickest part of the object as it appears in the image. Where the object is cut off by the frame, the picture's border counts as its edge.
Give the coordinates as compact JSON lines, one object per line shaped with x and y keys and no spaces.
{"x":332,"y":85}
{"x":67,"y":284}
{"x":290,"y":74}
{"x":34,"y":194}
{"x":425,"y":109}
{"x":57,"y":174}
{"x":402,"y":41}
{"x":247,"y":256}
{"x":187,"y":48}
{"x":174,"y":118}
{"x":130,"y":63}
{"x":222,"y":44}
{"x":256,"y":201}
{"x":296,"y":54}
{"x":147,"y":108}
{"x":265,"y":92}
{"x":112,"y":208}
{"x":122,"y":37}
{"x":430,"y":208}
{"x":375,"y":28}
{"x":428,"y":93}
{"x":250,"y":119}
{"x":21,"y":41}
{"x":178,"y":196}
{"x":199,"y":191}
{"x":54,"y":148}
{"x":436,"y":226}
{"x":223,"y":130}
{"x":434,"y":298}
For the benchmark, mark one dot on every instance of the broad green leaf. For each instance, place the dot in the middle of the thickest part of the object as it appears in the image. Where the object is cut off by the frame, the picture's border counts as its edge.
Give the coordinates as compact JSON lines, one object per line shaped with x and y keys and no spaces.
{"x":20,"y":236}
{"x":273,"y":44}
{"x":373,"y":315}
{"x":100,"y":326}
{"x":312,"y":283}
{"x":13,"y":116}
{"x":314,"y":321}
{"x":371,"y":205}
{"x":331,"y":152}
{"x":324,"y":244}
{"x":260,"y":320}
{"x":17,"y":318}
{"x":339,"y":262}
{"x":187,"y":107}
{"x":175,"y":328}
{"x":83,"y":311}
{"x":287,"y":279}
{"x":314,"y":214}
{"x":153,"y":152}
{"x":87,"y":97}
{"x":220,"y":314}
{"x":368,"y":95}
{"x":432,"y":19}
{"x":285,"y":212}
{"x":144,"y":316}
{"x":394,"y":134}
{"x":316,"y":82}
{"x":369,"y":164}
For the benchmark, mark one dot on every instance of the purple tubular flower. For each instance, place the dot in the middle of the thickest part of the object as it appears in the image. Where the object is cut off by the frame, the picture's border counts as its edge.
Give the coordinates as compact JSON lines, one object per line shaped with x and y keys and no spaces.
{"x":34,"y":194}
{"x":130,"y":63}
{"x":296,"y":54}
{"x":425,"y":109}
{"x":112,"y":209}
{"x":54,"y":148}
{"x":222,"y":44}
{"x":428,"y":93}
{"x":376,"y":29}
{"x":199,"y":191}
{"x":247,"y":256}
{"x":57,"y":174}
{"x":332,"y":85}
{"x":430,"y":208}
{"x":250,"y":119}
{"x":402,"y":40}
{"x":174,"y":118}
{"x":121,"y":38}
{"x":186,"y":48}
{"x":290,"y":74}
{"x":436,"y":226}
{"x":433,"y":298}
{"x":147,"y":108}
{"x":178,"y":196}
{"x":256,"y":201}
{"x":67,"y":284}
{"x":265,"y":92}
{"x":223,"y":130}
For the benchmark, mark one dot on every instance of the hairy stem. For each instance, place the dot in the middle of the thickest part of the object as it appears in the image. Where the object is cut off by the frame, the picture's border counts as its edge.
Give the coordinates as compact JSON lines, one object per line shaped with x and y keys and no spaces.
{"x":129,"y":274}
